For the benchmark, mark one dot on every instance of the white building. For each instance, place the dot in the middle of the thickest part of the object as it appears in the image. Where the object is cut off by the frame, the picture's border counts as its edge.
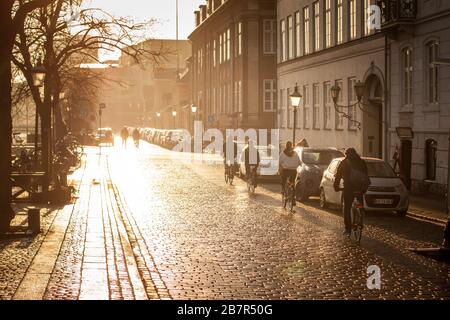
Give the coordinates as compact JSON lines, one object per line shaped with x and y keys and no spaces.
{"x":419,"y":32}
{"x":327,"y":42}
{"x":323,"y":43}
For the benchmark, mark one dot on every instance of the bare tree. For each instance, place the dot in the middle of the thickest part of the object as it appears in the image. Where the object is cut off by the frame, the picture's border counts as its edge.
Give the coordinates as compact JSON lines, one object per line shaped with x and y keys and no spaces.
{"x":65,"y":47}
{"x":12,"y":17}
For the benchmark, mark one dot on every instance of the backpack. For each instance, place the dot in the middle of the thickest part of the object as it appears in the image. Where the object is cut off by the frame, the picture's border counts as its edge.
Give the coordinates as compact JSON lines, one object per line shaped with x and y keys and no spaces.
{"x":359,"y":180}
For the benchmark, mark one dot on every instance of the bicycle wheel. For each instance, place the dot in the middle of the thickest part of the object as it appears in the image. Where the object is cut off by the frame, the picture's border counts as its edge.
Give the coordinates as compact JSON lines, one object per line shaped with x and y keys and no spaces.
{"x":250,"y":185}
{"x":226,"y":176}
{"x":230,"y":177}
{"x":292,"y":199}
{"x":356,"y":231}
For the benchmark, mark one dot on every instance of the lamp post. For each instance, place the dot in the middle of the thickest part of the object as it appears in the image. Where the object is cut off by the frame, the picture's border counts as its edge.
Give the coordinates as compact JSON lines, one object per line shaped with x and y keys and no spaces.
{"x":296,"y":98}
{"x":174,"y":115}
{"x":158,"y":117}
{"x":194,"y":110}
{"x":101,"y":107}
{"x":38,"y":74}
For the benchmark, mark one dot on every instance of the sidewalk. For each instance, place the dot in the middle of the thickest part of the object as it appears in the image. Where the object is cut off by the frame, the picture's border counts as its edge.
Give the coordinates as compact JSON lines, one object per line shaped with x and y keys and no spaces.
{"x":428,"y":208}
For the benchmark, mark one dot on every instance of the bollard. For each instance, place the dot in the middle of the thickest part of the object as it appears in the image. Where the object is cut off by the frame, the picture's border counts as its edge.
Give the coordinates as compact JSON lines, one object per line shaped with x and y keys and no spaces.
{"x":34,"y":220}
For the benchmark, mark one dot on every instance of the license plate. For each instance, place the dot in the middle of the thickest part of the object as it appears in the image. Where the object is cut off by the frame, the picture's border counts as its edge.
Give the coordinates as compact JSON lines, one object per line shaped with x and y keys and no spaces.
{"x":384,"y":201}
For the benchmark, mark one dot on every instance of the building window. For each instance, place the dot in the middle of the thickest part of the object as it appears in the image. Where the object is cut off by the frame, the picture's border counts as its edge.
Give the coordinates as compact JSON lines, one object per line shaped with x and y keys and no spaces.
{"x":352,"y":99}
{"x":327,"y":105}
{"x":316,"y":7}
{"x":327,"y":23}
{"x":270,"y":95}
{"x":306,"y":34}
{"x":283,"y":40}
{"x":352,"y":19}
{"x":339,"y":117}
{"x":305,"y":107}
{"x":366,"y":14}
{"x":298,"y":35}
{"x":214,"y":53}
{"x":220,"y":49}
{"x":433,"y":72}
{"x":340,"y":22}
{"x":228,"y":53}
{"x":430,"y":159}
{"x":239,"y":39}
{"x":316,"y":106}
{"x":407,"y":76}
{"x":269,"y":36}
{"x":281,"y":110}
{"x":290,"y":39}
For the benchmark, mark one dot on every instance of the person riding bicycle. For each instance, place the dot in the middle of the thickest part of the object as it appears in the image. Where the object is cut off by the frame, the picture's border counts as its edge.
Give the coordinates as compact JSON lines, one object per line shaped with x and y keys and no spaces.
{"x":288,"y":164}
{"x":136,"y":137}
{"x":252,"y":158}
{"x":124,"y":134}
{"x":229,"y":146}
{"x":353,"y":170}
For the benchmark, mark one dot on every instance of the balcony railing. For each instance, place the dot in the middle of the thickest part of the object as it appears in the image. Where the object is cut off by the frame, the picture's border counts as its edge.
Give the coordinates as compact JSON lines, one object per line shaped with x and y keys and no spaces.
{"x":397,"y":12}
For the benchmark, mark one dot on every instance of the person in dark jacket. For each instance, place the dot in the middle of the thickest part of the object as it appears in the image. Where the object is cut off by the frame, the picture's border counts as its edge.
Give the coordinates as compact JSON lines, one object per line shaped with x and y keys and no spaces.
{"x":352,"y":161}
{"x":252,"y":158}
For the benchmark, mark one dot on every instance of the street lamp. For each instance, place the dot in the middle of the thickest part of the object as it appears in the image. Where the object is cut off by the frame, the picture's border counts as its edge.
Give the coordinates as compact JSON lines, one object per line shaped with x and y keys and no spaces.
{"x":296,"y":98}
{"x":359,"y":90}
{"x":38,"y":73}
{"x":174,"y":114}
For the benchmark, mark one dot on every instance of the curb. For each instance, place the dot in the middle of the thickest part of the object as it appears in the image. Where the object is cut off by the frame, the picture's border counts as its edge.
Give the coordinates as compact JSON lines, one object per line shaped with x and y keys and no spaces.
{"x":427,"y":218}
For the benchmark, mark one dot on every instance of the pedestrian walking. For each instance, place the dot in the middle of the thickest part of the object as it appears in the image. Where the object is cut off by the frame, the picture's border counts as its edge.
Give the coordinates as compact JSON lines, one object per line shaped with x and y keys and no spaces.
{"x":124,"y":134}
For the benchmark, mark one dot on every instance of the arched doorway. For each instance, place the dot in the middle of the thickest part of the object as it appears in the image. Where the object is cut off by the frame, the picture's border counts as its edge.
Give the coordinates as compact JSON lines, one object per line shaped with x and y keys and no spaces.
{"x":373,"y":117}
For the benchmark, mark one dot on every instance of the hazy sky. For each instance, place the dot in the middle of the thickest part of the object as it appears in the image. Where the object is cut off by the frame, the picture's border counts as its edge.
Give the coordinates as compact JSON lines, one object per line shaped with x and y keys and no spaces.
{"x":163,"y":10}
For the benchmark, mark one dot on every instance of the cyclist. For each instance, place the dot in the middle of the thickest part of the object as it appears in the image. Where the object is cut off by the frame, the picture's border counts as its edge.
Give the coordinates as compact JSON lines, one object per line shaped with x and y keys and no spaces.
{"x":124,"y":134}
{"x":227,"y":145}
{"x":353,"y":170}
{"x":136,"y":137}
{"x":252,"y":158}
{"x":288,"y":164}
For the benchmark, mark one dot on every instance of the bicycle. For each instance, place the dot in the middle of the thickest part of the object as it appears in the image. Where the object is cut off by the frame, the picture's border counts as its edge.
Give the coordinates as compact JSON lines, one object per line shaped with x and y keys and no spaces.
{"x":357,"y":217}
{"x":251,"y":180}
{"x":229,"y":173}
{"x":289,"y":195}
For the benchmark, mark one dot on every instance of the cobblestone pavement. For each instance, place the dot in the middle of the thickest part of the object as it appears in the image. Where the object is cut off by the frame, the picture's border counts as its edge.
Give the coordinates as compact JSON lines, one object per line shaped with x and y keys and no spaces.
{"x":17,"y":252}
{"x":149,"y":224}
{"x":209,"y":240}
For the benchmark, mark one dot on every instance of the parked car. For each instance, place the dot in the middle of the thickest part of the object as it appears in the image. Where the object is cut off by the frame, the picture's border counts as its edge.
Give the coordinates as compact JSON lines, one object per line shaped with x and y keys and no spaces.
{"x":105,"y":136}
{"x":268,"y":168}
{"x":174,"y":137}
{"x":314,"y":161}
{"x":387,"y":192}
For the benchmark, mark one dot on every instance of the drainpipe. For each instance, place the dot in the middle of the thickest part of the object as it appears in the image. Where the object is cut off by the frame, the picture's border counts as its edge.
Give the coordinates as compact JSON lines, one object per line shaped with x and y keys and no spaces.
{"x":387,"y":101}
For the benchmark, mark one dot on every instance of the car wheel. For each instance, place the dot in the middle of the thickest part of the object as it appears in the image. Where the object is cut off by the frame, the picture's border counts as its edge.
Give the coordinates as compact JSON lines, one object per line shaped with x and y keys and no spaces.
{"x":402,"y":213}
{"x":301,"y":196}
{"x":323,"y":200}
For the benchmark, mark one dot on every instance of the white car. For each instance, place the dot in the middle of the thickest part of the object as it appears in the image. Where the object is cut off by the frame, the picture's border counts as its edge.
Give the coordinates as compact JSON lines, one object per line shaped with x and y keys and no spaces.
{"x":387,"y":192}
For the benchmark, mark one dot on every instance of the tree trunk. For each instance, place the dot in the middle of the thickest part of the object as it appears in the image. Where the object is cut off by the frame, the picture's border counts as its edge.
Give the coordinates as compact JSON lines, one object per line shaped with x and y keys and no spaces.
{"x":6,"y":212}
